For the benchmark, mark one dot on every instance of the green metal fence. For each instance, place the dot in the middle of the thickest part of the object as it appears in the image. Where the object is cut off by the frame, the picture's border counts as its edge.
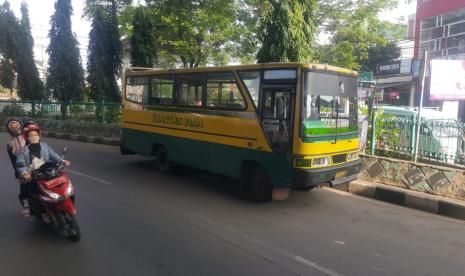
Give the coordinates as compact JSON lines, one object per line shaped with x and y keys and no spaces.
{"x":440,"y":141}
{"x":107,"y":113}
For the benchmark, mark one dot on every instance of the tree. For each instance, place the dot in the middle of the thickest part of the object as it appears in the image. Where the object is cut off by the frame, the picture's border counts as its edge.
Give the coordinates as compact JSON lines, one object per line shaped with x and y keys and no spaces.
{"x":7,"y":73}
{"x":30,"y":87}
{"x":143,"y":52}
{"x":92,"y":6}
{"x":65,"y":74}
{"x":246,"y":38}
{"x":194,"y":33}
{"x":101,"y":62}
{"x":105,"y":50}
{"x":334,"y":14}
{"x":359,"y":38}
{"x":8,"y":26}
{"x":287,"y":31}
{"x":380,"y":55}
{"x":16,"y":51}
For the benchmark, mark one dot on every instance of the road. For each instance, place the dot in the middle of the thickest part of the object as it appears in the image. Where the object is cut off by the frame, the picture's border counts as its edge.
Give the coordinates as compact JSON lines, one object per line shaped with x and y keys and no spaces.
{"x":136,"y":221}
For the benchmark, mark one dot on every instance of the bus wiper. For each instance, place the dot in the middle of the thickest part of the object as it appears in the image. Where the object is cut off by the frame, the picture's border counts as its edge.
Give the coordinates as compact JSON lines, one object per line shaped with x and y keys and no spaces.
{"x":337,"y":119}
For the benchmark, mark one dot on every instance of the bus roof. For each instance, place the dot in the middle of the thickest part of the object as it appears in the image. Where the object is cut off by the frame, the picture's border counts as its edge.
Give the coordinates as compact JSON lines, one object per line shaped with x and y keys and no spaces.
{"x":319,"y":67}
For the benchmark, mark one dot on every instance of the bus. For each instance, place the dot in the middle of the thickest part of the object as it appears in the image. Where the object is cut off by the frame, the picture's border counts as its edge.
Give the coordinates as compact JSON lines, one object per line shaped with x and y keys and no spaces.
{"x":271,"y":126}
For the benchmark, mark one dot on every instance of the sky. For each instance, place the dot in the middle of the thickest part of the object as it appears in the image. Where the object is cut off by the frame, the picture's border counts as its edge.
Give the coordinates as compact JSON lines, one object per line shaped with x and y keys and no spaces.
{"x":40,"y":12}
{"x":404,"y":9}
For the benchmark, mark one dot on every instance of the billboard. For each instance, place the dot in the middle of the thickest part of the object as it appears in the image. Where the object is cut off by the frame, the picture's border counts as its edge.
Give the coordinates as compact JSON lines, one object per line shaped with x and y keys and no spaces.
{"x":398,"y":67}
{"x":447,"y":80}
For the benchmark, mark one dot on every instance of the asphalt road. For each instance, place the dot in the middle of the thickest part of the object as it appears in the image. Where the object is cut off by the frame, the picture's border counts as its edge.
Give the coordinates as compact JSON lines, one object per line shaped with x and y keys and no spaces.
{"x":136,"y":221}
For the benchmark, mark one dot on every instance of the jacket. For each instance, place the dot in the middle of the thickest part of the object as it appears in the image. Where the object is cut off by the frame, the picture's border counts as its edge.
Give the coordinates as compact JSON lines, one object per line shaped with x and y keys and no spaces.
{"x":23,"y":161}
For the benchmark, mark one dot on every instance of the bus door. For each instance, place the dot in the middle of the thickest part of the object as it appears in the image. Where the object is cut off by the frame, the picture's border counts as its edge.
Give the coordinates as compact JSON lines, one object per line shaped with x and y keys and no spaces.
{"x":276,"y":115}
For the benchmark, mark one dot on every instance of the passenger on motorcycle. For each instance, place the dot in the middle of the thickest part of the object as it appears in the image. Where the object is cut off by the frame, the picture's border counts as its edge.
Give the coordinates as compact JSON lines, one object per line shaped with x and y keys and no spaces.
{"x":34,"y":155}
{"x":13,"y":147}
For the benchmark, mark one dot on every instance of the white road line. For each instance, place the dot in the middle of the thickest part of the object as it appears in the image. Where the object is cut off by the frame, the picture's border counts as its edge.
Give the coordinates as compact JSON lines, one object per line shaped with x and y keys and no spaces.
{"x":89,"y":177}
{"x":238,"y":238}
{"x":324,"y":270}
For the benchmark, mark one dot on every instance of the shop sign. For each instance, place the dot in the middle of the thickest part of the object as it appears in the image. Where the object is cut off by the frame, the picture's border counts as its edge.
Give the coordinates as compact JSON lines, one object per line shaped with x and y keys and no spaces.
{"x":398,"y":67}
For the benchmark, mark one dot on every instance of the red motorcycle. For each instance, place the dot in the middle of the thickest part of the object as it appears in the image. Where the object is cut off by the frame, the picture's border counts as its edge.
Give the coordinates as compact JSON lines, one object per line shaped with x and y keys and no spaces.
{"x":54,"y":196}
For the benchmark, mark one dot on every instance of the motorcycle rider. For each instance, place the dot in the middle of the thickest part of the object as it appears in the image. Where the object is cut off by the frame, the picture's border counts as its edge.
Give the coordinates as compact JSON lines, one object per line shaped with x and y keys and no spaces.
{"x":32,"y":156}
{"x":13,"y":148}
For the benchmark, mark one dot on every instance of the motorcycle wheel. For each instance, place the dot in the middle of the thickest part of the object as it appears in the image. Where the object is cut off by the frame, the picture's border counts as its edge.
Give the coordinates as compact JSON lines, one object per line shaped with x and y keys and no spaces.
{"x":72,"y":228}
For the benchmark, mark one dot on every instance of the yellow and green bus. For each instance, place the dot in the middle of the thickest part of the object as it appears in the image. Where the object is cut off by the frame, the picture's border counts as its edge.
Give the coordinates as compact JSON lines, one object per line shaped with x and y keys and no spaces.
{"x":271,"y":126}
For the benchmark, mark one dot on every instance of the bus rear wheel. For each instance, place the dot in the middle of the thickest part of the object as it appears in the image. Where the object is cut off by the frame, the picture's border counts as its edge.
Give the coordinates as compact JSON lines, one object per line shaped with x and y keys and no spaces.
{"x":260,"y":186}
{"x":305,"y":188}
{"x":162,"y":160}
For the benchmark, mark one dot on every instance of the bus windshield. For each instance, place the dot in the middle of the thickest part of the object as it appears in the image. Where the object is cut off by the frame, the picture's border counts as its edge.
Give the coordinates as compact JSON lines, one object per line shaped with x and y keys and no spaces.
{"x":329,"y":105}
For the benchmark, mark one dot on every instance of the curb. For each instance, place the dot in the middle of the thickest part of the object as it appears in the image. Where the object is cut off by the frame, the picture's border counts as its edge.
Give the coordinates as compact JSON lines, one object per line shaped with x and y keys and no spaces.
{"x":440,"y":205}
{"x":82,"y":138}
{"x":78,"y":137}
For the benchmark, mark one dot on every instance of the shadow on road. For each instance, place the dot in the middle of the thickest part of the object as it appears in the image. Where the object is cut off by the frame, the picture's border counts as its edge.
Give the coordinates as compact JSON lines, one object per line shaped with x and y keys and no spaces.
{"x":188,"y":178}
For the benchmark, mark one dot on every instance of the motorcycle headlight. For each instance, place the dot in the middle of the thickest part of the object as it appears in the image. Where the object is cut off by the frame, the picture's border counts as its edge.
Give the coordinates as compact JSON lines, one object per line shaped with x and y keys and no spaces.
{"x":53,"y":195}
{"x":70,"y":189}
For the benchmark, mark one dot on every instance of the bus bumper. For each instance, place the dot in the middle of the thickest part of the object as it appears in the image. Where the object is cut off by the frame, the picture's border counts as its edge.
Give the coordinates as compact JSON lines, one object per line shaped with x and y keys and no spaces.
{"x":335,"y":175}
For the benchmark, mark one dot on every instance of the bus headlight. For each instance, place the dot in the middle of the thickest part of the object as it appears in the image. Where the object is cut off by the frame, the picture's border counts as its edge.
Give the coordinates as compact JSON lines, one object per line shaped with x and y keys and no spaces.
{"x":352,"y":156}
{"x":320,"y":161}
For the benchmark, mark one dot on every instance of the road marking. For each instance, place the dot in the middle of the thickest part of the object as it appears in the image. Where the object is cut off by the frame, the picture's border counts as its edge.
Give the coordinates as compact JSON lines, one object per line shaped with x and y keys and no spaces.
{"x":246,"y":242}
{"x":316,"y":266}
{"x":89,"y":177}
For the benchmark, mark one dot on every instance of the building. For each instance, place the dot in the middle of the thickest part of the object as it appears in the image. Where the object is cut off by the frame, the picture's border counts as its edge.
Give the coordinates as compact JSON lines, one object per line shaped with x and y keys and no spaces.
{"x":440,"y":30}
{"x":396,"y":82}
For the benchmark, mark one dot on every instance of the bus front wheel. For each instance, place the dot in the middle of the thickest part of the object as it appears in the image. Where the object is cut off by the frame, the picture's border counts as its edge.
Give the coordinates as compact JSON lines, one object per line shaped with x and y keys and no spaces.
{"x":162,"y":160}
{"x":260,"y":185}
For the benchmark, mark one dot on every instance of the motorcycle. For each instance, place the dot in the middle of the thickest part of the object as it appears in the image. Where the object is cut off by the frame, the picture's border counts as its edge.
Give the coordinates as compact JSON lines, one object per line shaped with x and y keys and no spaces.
{"x":54,"y":196}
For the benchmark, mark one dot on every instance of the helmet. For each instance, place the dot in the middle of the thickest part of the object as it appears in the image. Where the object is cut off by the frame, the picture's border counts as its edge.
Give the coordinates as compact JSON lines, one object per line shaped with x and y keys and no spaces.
{"x":11,"y":120}
{"x":30,"y":127}
{"x":27,"y":122}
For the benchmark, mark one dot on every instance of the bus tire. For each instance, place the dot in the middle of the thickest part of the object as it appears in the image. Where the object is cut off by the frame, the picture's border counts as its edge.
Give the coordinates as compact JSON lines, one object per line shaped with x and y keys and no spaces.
{"x":124,"y":151}
{"x":260,"y":186}
{"x":305,"y":188}
{"x":243,"y":185}
{"x":162,"y":160}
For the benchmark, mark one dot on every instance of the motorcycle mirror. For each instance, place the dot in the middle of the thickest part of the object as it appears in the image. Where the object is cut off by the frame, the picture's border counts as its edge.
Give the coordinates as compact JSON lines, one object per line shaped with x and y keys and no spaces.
{"x":64,"y":150}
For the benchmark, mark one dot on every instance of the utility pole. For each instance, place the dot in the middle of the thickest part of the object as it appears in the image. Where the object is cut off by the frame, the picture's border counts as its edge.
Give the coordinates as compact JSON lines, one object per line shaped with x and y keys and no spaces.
{"x":423,"y":76}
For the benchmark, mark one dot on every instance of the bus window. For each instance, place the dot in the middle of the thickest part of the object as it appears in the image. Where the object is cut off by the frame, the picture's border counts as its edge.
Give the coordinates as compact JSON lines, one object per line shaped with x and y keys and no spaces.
{"x":280,"y":74}
{"x":251,"y":80}
{"x":329,"y":105}
{"x":137,"y":89}
{"x":162,"y":90}
{"x":189,"y":90}
{"x":222,"y":92}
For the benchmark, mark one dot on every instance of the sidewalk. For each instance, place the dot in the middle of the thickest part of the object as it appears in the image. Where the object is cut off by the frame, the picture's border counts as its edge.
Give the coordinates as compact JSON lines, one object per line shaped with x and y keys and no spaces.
{"x":78,"y":137}
{"x":426,"y":202}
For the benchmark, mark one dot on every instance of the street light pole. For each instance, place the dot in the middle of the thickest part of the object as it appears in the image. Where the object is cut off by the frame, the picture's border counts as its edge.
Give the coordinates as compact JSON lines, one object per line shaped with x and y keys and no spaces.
{"x":417,"y":136}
